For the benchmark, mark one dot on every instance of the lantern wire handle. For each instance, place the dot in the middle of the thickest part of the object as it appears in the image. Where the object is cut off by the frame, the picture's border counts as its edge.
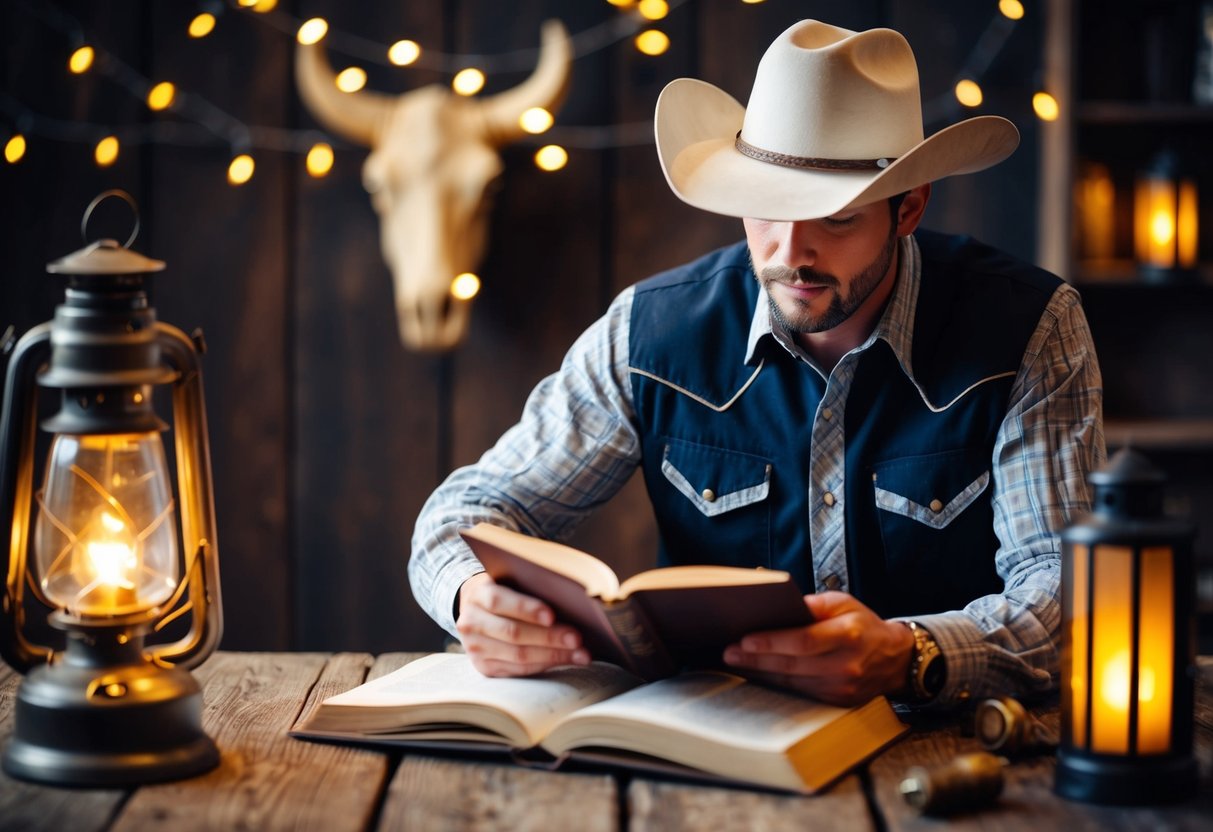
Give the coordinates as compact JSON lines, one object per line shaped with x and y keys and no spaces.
{"x":98,"y":199}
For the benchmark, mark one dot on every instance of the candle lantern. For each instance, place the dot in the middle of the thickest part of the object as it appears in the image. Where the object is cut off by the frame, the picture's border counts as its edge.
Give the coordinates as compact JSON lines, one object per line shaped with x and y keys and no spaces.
{"x":1165,"y":220}
{"x":115,"y":555}
{"x":1128,"y":645}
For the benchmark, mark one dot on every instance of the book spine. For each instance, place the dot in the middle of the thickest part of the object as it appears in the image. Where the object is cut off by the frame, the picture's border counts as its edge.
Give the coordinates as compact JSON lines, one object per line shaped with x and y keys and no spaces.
{"x":647,"y":656}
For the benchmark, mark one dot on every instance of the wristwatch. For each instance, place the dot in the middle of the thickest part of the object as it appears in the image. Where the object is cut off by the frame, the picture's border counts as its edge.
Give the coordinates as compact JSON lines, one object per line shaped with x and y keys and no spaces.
{"x":928,"y":668}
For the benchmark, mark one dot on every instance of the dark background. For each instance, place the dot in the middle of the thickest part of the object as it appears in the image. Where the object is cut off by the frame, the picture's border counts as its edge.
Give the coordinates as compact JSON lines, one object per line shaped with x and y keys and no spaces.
{"x":327,"y":435}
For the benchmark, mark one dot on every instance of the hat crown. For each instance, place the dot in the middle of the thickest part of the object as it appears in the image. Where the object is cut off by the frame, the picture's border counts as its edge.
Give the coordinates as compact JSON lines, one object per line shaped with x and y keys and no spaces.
{"x":825,"y":92}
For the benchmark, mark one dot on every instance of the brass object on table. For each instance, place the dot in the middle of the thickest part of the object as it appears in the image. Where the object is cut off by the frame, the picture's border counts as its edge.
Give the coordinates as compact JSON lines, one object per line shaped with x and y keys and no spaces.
{"x":966,"y":783}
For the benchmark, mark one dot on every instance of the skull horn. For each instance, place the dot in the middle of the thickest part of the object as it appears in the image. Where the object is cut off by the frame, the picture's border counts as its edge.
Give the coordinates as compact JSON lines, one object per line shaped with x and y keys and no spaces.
{"x":545,"y":87}
{"x":358,"y":116}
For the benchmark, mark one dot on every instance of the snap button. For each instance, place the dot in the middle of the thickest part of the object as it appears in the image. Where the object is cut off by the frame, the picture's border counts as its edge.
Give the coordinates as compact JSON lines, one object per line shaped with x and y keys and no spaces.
{"x":827,"y":414}
{"x":708,"y":495}
{"x":828,"y":498}
{"x":831,"y":582}
{"x":936,"y":506}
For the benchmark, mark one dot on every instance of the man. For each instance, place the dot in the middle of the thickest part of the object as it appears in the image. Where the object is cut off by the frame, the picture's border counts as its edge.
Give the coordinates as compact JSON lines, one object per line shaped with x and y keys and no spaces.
{"x":901,"y":420}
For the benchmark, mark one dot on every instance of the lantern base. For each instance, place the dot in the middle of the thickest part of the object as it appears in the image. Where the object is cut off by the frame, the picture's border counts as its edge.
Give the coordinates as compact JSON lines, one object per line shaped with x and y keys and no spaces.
{"x":1140,"y":782}
{"x":80,"y":722}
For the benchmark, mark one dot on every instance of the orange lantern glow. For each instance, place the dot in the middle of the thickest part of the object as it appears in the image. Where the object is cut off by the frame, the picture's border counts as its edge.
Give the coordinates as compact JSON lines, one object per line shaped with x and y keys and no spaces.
{"x":1164,"y":220}
{"x":1128,"y":653}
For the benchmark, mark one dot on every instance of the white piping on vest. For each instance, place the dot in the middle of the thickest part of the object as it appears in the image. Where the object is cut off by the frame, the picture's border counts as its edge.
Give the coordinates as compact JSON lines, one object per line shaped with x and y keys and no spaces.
{"x":718,"y":408}
{"x":963,"y":393}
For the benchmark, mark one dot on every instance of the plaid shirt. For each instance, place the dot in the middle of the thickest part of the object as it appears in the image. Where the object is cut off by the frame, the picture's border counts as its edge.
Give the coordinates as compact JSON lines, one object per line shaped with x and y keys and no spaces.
{"x":577,"y":444}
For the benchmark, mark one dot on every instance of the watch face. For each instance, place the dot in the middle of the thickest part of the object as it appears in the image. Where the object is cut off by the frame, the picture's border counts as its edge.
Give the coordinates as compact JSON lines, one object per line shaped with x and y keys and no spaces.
{"x":934,"y":675}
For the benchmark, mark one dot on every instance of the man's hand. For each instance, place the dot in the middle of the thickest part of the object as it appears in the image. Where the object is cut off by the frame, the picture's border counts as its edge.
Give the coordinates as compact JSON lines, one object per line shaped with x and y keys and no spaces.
{"x":845,"y":657}
{"x":506,"y":633}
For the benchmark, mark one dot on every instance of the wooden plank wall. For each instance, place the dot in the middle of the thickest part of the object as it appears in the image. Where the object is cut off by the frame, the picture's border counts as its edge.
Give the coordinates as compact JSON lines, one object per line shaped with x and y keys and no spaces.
{"x":327,"y":435}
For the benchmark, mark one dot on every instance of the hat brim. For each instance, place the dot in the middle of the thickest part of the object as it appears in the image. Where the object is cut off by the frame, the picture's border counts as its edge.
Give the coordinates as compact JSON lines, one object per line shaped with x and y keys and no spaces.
{"x":696,"y":126}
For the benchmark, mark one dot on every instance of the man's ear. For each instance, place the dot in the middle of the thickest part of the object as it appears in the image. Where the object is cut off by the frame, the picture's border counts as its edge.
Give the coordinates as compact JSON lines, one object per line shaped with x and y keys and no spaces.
{"x":910,"y":212}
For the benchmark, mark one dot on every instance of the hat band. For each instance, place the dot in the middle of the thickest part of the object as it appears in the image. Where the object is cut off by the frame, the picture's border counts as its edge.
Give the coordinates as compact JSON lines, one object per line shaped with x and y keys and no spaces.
{"x":747,"y":149}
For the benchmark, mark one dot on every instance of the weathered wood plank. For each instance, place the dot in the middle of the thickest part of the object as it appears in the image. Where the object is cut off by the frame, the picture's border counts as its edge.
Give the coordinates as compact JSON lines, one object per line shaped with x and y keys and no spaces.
{"x":367,"y":419}
{"x":265,"y":779}
{"x":659,"y":807}
{"x":429,"y":793}
{"x":29,"y":807}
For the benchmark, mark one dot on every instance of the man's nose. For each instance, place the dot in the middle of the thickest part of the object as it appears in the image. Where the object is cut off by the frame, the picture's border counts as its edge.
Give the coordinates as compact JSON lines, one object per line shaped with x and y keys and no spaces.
{"x":796,"y":244}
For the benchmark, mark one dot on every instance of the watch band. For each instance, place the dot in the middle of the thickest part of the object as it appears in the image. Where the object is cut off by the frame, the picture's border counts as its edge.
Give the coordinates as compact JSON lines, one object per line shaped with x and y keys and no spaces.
{"x":927,"y":672}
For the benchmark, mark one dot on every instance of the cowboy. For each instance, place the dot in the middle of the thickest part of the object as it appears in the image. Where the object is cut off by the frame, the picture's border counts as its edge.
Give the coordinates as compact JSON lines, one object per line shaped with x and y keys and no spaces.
{"x":902,"y":420}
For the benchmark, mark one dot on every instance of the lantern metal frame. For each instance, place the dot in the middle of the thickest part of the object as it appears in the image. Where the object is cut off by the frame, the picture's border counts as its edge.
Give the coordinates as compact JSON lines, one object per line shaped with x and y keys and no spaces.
{"x":109,"y":709}
{"x":1127,"y":514}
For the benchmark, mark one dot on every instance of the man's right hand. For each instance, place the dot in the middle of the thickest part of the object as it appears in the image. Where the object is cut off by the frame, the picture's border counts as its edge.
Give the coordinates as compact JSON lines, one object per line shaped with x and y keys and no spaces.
{"x":506,"y":633}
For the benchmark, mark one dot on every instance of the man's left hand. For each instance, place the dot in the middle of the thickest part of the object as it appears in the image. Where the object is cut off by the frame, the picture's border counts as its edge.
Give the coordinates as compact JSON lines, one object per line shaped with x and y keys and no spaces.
{"x":845,"y":657}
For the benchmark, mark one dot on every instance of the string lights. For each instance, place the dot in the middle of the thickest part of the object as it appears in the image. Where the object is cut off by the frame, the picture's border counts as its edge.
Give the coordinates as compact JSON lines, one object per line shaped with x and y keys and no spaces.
{"x":202,"y":123}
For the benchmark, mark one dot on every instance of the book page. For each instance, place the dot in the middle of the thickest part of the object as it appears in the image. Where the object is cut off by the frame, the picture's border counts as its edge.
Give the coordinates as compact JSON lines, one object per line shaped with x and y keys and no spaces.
{"x":587,"y":570}
{"x":673,"y":577}
{"x":445,"y":688}
{"x":718,"y":706}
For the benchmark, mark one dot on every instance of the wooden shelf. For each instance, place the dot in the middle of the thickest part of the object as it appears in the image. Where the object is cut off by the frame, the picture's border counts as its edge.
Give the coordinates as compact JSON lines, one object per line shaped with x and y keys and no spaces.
{"x":1160,"y":434}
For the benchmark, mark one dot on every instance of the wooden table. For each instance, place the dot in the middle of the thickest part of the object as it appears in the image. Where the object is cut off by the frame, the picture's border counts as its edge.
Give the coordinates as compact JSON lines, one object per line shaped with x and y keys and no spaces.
{"x":269,"y":781}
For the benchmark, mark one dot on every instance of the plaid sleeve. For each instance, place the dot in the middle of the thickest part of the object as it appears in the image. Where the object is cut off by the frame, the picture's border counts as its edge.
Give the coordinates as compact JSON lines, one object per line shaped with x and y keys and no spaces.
{"x":575,"y":446}
{"x":1049,"y":441}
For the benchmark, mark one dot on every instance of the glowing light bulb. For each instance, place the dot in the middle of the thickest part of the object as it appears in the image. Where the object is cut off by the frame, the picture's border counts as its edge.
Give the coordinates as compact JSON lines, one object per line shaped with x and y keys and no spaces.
{"x":535,"y":120}
{"x":263,"y":6}
{"x":968,"y":93}
{"x":106,"y":151}
{"x":404,"y":52}
{"x":14,"y":149}
{"x":652,"y":42}
{"x":465,"y":287}
{"x":161,"y":96}
{"x":1045,"y":106}
{"x":468,"y":81}
{"x":81,"y":60}
{"x":312,"y":31}
{"x":351,"y":79}
{"x":623,"y":4}
{"x":241,"y":169}
{"x":653,"y":9}
{"x":1011,"y":9}
{"x":320,"y":159}
{"x":202,"y":25}
{"x":551,"y":157}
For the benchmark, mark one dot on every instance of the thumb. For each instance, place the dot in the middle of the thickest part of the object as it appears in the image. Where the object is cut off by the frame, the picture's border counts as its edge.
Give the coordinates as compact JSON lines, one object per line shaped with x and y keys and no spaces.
{"x":825,"y":605}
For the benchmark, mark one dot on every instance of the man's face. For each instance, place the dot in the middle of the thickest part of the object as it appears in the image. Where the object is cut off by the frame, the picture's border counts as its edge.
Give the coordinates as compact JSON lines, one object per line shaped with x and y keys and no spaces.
{"x":817,"y":273}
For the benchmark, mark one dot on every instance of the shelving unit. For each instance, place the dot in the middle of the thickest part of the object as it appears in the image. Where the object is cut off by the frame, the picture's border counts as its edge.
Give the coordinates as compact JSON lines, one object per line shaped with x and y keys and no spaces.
{"x":1118,"y":69}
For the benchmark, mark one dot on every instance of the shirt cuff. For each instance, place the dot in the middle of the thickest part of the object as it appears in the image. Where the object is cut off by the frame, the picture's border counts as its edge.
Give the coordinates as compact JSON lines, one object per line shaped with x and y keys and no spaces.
{"x":446,"y":591}
{"x":961,"y":642}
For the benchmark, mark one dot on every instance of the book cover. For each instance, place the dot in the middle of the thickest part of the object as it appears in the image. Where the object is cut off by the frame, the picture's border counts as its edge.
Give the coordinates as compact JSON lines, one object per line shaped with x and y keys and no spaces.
{"x":655,"y":623}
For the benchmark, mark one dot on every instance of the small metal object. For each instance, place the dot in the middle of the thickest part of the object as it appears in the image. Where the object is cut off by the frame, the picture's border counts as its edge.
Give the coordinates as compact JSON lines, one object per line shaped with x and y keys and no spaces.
{"x":101,"y":197}
{"x":968,"y":782}
{"x":1005,"y":726}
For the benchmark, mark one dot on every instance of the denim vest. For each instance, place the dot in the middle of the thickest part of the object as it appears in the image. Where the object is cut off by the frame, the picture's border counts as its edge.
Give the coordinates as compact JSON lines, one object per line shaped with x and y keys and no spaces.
{"x":726,"y":444}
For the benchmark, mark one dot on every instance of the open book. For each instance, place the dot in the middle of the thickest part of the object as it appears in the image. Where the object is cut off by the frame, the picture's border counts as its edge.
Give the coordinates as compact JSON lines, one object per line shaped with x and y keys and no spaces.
{"x":654,"y":623}
{"x":704,"y":722}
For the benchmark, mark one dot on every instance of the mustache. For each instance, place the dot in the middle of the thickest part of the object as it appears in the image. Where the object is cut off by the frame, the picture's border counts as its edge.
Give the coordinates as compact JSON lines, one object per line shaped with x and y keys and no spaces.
{"x":803,"y":274}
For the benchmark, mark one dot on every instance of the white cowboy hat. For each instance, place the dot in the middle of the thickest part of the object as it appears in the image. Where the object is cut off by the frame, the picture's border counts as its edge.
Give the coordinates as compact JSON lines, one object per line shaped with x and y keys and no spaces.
{"x":834,"y":121}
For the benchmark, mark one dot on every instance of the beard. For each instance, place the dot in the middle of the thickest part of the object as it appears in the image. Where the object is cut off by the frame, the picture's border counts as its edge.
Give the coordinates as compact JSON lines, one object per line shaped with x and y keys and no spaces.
{"x":801,"y":320}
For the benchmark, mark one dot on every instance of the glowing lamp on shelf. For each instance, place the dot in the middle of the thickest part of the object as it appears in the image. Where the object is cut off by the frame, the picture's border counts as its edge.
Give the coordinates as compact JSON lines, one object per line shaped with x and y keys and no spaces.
{"x":1165,"y":220}
{"x":1128,"y":649}
{"x":111,"y":564}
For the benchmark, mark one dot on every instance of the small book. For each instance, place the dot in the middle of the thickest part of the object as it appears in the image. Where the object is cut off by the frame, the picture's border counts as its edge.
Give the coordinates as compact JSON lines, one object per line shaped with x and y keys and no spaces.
{"x":702,"y":724}
{"x":655,"y":623}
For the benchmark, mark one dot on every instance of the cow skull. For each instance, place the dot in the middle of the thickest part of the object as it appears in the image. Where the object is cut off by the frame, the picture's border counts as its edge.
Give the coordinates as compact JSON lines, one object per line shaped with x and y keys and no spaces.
{"x":430,"y":173}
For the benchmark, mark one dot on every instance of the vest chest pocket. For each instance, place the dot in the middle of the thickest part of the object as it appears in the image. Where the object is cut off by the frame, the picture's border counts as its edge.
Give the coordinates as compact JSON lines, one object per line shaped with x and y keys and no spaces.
{"x":713,"y":505}
{"x":937,"y":528}
{"x":715,"y":481}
